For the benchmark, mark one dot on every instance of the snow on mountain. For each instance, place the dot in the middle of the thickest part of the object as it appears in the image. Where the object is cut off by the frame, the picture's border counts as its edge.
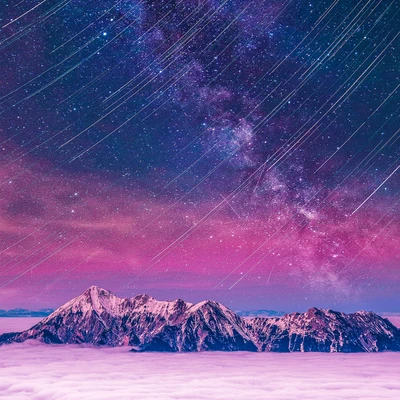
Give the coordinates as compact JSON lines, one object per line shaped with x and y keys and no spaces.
{"x":327,"y":331}
{"x":204,"y":326}
{"x":100,"y":318}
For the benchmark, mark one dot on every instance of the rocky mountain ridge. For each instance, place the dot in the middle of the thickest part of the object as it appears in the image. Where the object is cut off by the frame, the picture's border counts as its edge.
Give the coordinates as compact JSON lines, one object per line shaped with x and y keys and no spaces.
{"x":100,"y":318}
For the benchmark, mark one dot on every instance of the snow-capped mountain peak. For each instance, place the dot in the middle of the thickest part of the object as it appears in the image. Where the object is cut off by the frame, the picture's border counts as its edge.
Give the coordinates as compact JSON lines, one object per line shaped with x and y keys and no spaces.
{"x":92,"y":299}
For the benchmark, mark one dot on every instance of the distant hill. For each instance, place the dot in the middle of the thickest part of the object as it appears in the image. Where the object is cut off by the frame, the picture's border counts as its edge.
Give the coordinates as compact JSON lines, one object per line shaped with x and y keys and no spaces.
{"x":261,"y":313}
{"x":22,"y":312}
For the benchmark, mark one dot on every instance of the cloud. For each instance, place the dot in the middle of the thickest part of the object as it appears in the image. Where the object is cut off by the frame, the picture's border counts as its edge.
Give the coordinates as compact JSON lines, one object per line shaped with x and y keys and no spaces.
{"x":36,"y":371}
{"x":33,"y":370}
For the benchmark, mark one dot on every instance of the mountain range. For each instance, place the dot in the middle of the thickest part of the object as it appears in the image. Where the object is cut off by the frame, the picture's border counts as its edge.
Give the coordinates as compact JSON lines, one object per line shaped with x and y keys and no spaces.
{"x":100,"y":318}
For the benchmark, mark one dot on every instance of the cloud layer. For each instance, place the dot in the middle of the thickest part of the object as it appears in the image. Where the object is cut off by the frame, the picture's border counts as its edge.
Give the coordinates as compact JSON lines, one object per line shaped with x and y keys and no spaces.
{"x":36,"y":371}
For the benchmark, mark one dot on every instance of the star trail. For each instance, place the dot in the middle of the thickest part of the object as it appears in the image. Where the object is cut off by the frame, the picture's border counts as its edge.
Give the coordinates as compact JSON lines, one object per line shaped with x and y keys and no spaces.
{"x":244,"y":151}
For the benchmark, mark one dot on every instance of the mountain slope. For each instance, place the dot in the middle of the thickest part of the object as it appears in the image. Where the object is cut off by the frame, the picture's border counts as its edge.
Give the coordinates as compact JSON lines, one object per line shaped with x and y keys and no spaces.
{"x":100,"y":318}
{"x":204,"y":326}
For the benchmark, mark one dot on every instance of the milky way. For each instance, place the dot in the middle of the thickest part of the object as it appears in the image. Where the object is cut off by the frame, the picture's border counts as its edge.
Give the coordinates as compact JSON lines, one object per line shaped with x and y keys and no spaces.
{"x":244,"y":151}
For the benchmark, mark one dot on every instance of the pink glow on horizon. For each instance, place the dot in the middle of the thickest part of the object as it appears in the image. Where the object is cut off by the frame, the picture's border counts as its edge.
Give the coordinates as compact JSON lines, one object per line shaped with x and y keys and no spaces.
{"x":117,"y":232}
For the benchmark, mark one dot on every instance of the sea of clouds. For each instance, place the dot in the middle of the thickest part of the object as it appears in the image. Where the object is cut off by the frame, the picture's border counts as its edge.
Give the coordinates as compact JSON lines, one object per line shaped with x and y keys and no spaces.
{"x":33,"y":370}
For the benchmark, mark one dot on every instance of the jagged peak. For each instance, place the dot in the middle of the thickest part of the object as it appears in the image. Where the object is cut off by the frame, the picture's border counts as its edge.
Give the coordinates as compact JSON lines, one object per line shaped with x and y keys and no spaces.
{"x":93,"y":298}
{"x":317,"y":310}
{"x":144,"y":298}
{"x":207,"y":304}
{"x":321,"y":312}
{"x":362,"y":312}
{"x":200,"y":305}
{"x":97,"y":291}
{"x":95,"y":287}
{"x":329,"y":312}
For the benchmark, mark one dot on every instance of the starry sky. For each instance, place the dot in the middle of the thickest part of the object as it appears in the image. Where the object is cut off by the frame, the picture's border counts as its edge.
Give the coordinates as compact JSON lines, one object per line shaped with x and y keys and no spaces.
{"x":242,"y":151}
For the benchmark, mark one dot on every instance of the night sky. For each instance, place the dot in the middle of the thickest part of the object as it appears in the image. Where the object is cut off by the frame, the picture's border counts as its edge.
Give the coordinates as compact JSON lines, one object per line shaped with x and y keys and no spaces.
{"x":241,"y":151}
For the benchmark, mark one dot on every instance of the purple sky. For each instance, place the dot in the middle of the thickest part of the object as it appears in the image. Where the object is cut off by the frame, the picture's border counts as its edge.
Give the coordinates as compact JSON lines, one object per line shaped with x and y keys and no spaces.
{"x":245,"y":152}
